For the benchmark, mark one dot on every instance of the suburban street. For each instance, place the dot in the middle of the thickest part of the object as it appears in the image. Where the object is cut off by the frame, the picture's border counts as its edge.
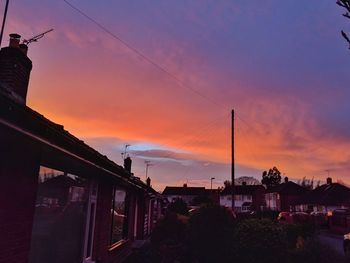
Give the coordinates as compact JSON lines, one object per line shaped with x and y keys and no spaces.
{"x":332,"y":240}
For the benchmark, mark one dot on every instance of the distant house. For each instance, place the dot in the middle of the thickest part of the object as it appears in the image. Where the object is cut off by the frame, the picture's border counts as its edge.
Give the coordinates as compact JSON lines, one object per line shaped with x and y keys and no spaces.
{"x":187,"y":194}
{"x":247,"y":197}
{"x":284,"y":197}
{"x":325,"y":198}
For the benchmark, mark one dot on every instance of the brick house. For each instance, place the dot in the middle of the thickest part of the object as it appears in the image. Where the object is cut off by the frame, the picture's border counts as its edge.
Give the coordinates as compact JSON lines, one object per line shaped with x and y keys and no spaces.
{"x":61,"y":200}
{"x":284,"y":197}
{"x":325,"y":198}
{"x":248,"y":198}
{"x":186,"y":193}
{"x":332,"y":199}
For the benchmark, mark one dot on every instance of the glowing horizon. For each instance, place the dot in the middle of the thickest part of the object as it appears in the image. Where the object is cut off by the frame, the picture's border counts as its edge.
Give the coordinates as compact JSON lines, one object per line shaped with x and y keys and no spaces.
{"x":282,"y":67}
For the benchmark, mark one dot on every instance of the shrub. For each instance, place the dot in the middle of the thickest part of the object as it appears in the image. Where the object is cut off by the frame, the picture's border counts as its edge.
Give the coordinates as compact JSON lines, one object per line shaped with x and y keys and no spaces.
{"x":260,"y":240}
{"x":169,"y":231}
{"x":178,"y":206}
{"x":211,"y":233}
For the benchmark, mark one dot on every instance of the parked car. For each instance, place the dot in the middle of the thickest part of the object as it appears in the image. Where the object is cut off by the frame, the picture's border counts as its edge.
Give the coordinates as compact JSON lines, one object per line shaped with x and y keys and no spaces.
{"x":293,"y":217}
{"x":285,"y":217}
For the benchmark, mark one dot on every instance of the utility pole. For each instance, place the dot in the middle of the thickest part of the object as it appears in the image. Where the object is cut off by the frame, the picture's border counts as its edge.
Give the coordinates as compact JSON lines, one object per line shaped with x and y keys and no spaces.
{"x":4,"y":21}
{"x":233,"y":160}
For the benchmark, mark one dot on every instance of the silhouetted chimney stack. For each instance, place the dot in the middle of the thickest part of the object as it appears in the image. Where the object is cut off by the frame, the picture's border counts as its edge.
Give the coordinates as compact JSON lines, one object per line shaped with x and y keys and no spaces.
{"x":127,"y":164}
{"x":329,"y":180}
{"x":244,"y":183}
{"x":286,"y":179}
{"x":148,"y":182}
{"x":185,"y":185}
{"x":15,"y":68}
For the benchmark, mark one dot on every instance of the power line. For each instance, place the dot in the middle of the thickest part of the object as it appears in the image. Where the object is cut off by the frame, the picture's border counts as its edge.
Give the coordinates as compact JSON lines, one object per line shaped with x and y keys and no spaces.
{"x":142,"y":55}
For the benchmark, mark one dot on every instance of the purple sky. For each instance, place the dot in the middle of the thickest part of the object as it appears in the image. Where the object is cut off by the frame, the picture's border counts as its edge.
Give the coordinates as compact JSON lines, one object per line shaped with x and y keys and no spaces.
{"x":283,"y":66}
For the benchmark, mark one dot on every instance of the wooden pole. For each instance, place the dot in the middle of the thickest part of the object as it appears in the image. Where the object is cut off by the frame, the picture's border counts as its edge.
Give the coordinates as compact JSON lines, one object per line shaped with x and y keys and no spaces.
{"x":233,"y":160}
{"x":4,"y":21}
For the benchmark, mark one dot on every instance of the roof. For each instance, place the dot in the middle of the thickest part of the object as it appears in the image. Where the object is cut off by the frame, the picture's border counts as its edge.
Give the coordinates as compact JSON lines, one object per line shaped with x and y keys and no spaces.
{"x":288,"y":188}
{"x":328,"y":194}
{"x":27,"y":121}
{"x":174,"y":190}
{"x":243,"y":189}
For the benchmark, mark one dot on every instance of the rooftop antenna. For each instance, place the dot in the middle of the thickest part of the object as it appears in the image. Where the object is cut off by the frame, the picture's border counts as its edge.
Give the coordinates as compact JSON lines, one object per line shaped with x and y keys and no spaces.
{"x":125,"y":153}
{"x":148,"y":164}
{"x":37,"y":37}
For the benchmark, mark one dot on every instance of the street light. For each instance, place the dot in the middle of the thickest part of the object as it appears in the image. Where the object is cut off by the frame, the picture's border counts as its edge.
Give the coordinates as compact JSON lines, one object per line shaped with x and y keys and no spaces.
{"x":211,"y":183}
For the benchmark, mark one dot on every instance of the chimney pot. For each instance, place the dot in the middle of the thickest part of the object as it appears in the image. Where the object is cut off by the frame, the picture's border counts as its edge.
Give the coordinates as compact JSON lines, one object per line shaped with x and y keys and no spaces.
{"x":286,"y":179}
{"x":185,"y":185}
{"x":148,"y":182}
{"x":329,"y":180}
{"x":14,"y":40}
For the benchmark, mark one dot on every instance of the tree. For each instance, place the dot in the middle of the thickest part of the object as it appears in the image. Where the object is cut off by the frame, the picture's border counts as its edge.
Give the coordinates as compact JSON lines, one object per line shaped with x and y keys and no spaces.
{"x":306,"y":183}
{"x":271,"y":178}
{"x":227,"y":184}
{"x":346,"y":5}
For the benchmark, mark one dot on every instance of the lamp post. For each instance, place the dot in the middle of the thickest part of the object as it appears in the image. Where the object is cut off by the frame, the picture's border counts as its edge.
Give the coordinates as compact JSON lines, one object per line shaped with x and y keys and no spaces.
{"x":211,"y":183}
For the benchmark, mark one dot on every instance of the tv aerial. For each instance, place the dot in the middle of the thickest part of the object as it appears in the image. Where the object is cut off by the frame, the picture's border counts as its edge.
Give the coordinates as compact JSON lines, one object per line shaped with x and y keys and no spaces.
{"x":36,"y":38}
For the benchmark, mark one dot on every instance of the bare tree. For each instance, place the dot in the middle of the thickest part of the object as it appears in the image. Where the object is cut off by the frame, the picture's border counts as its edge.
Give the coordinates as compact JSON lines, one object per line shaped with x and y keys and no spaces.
{"x":346,"y":5}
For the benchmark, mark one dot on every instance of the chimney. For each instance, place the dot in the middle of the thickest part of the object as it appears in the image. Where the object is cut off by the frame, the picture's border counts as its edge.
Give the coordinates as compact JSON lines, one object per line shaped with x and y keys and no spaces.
{"x":244,"y":183}
{"x":15,"y":68}
{"x":148,"y":182}
{"x":329,"y":180}
{"x":286,"y":179}
{"x":185,"y":185}
{"x":127,"y":164}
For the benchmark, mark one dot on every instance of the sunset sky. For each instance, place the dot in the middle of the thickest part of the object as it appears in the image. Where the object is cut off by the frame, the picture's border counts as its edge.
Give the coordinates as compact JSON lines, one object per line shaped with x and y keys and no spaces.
{"x":282,"y":65}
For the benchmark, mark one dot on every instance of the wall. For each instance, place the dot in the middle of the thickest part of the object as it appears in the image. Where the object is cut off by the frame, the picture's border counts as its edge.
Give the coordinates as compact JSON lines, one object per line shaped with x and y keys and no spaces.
{"x":19,"y":167}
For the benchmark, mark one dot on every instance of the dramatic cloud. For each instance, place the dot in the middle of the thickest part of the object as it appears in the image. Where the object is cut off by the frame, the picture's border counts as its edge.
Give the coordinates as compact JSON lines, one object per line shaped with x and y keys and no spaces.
{"x":282,"y":66}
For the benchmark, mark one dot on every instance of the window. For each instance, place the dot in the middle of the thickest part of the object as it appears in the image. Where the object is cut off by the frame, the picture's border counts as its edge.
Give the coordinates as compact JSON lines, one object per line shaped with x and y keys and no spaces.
{"x":118,"y":213}
{"x":61,"y":211}
{"x":238,"y":197}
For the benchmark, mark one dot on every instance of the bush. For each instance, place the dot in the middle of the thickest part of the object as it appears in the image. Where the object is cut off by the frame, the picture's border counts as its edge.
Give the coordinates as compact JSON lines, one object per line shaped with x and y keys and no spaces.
{"x":211,"y":234}
{"x":169,"y":231}
{"x":168,"y":239}
{"x":178,"y":206}
{"x":260,"y":240}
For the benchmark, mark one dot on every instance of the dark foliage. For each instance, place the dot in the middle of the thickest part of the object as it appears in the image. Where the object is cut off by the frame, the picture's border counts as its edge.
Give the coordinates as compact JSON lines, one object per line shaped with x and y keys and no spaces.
{"x":211,"y":233}
{"x":178,"y":206}
{"x":168,"y":239}
{"x":271,"y":178}
{"x":346,"y":5}
{"x":260,"y":241}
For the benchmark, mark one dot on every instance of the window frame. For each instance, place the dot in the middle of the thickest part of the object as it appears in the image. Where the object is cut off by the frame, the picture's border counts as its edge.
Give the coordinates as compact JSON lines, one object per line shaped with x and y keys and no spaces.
{"x":125,"y":229}
{"x":90,"y":223}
